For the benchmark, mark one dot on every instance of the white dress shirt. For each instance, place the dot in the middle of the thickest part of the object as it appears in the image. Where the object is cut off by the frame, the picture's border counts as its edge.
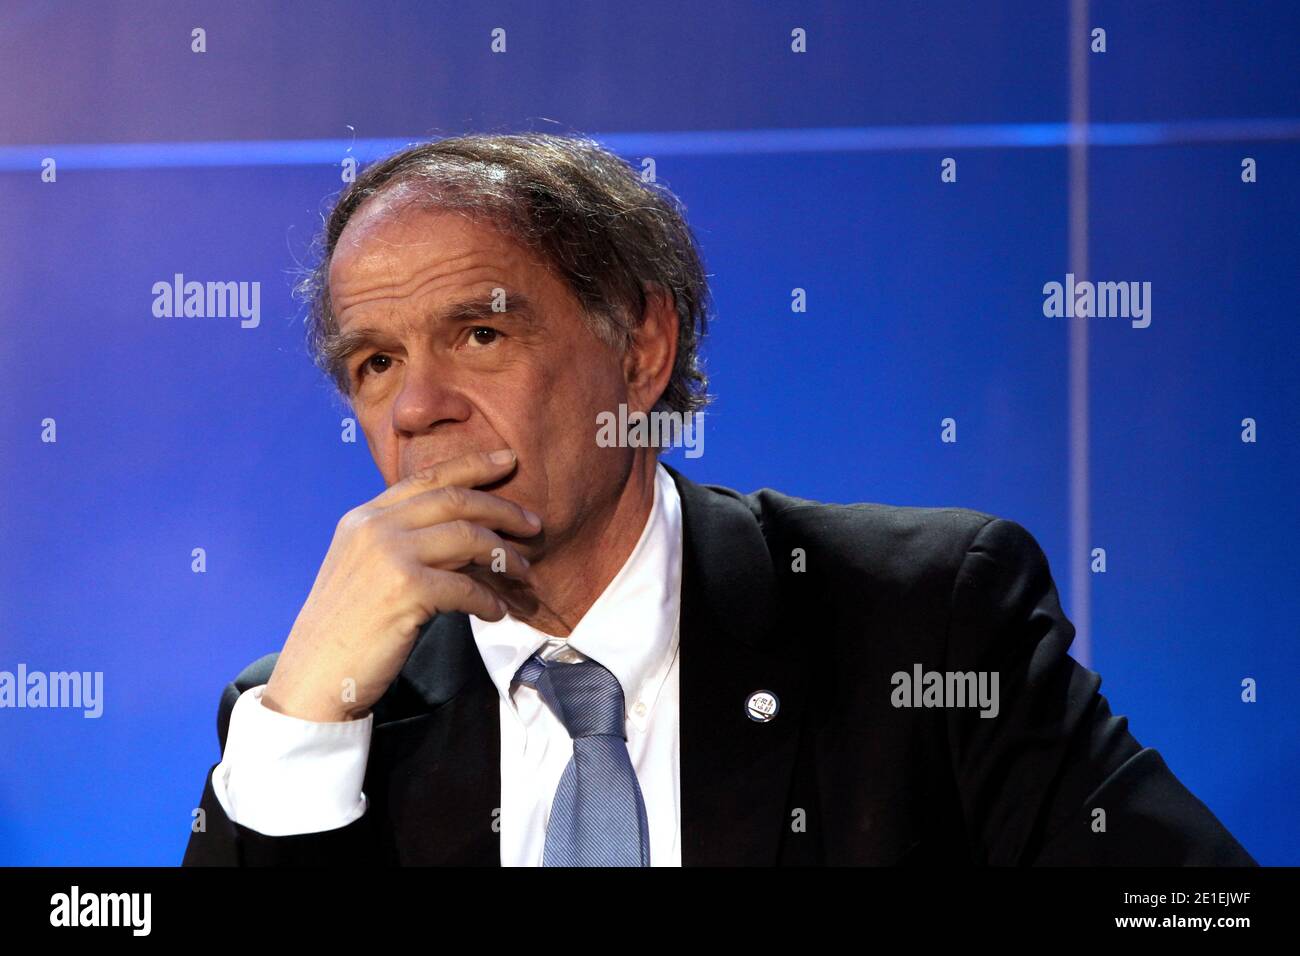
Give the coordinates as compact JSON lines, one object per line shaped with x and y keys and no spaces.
{"x":281,"y":775}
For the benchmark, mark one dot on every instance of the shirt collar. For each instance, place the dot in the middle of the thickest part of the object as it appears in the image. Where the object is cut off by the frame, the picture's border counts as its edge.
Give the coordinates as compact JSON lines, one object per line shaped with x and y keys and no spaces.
{"x":632,"y":628}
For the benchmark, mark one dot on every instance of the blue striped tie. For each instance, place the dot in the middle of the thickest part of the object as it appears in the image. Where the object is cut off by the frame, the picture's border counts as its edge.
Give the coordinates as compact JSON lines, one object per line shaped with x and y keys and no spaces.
{"x":598,"y":815}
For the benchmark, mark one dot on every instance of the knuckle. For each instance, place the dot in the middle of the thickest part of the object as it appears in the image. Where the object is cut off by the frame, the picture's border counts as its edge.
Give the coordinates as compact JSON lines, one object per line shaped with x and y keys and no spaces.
{"x":464,"y":531}
{"x":421,"y":480}
{"x":409,"y":576}
{"x":468,"y":586}
{"x":354,"y":520}
{"x":366,"y":525}
{"x":455,"y":497}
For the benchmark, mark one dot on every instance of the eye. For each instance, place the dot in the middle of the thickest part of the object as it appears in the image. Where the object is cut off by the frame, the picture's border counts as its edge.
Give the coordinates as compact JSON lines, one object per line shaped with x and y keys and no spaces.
{"x":366,"y":366}
{"x":477,"y":334}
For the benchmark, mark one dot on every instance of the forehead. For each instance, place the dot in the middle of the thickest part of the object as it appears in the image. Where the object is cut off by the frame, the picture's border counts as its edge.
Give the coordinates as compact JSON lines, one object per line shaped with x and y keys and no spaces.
{"x":392,"y":240}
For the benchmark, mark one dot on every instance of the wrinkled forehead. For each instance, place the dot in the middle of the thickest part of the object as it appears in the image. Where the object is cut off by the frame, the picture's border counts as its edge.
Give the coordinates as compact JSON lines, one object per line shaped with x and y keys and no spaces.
{"x":392,"y":218}
{"x":403,"y":243}
{"x":402,"y":217}
{"x":476,"y":192}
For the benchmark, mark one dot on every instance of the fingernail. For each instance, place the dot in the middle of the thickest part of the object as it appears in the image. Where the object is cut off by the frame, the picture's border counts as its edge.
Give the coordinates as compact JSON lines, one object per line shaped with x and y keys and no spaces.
{"x":501,"y":457}
{"x":533,"y":519}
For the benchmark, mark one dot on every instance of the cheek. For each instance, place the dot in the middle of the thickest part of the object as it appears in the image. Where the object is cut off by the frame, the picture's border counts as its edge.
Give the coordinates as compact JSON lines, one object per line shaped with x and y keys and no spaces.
{"x":593,"y":382}
{"x":566,"y":419}
{"x":378,"y":440}
{"x":550,"y":434}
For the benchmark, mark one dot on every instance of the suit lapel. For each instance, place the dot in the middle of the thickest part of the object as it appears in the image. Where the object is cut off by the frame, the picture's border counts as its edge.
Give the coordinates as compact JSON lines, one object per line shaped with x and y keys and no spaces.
{"x":736,"y":773}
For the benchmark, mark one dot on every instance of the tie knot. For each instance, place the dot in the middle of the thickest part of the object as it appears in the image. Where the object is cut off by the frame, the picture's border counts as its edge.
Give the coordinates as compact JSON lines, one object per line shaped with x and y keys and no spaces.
{"x":586,"y":696}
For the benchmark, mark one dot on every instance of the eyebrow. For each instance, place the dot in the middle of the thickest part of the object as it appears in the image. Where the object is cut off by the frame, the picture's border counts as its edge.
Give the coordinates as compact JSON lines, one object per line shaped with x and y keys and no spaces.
{"x":338,"y":347}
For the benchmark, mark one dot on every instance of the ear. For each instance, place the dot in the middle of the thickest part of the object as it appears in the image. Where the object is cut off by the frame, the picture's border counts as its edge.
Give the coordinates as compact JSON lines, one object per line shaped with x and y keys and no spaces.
{"x":648,"y":365}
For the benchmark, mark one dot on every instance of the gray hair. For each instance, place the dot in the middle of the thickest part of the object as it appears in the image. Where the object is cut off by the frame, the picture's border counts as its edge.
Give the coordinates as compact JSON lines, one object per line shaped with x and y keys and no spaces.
{"x":609,"y":235}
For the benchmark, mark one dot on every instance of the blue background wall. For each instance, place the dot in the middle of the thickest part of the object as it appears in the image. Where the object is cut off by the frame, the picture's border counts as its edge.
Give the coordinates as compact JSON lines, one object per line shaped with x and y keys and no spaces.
{"x":818,"y":171}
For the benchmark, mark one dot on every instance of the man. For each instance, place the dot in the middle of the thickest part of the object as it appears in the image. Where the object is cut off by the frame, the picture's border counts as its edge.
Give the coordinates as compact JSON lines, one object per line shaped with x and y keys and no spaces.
{"x":540,"y":648}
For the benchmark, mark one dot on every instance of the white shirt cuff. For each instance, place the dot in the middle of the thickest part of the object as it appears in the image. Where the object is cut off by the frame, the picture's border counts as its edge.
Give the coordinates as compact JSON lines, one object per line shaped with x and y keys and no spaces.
{"x":282,"y":775}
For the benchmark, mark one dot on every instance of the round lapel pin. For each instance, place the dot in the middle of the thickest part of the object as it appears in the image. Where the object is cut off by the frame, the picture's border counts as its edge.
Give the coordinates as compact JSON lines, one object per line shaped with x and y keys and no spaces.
{"x":762,"y":706}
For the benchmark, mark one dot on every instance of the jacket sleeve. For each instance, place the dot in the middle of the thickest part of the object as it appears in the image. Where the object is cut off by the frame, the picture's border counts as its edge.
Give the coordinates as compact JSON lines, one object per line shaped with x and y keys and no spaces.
{"x":1055,"y":778}
{"x":215,"y":840}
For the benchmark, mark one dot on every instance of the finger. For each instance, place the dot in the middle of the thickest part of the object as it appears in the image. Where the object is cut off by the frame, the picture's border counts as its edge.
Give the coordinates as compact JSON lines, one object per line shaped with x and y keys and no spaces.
{"x":439,"y":505}
{"x":459,"y":592}
{"x":456,"y":544}
{"x":475,"y":468}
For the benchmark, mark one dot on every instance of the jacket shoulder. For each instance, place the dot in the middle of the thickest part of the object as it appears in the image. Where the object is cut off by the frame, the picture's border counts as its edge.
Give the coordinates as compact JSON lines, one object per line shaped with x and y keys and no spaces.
{"x":896,"y":536}
{"x":904,"y":551}
{"x":911,"y":529}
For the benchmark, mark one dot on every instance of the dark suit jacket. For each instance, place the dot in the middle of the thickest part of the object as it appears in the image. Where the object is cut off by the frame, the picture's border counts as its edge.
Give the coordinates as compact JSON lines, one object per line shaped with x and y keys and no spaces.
{"x":840,"y":775}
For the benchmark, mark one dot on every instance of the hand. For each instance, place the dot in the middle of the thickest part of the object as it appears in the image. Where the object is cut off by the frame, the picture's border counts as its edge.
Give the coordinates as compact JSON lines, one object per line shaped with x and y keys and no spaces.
{"x":394,"y":564}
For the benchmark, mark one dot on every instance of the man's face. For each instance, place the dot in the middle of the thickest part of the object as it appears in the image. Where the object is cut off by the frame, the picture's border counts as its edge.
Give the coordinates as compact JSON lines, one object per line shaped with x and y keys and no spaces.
{"x":441,"y":374}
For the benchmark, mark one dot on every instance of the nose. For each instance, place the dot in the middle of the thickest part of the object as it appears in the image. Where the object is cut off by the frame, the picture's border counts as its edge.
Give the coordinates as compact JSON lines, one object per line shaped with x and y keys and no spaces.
{"x":429,"y":396}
